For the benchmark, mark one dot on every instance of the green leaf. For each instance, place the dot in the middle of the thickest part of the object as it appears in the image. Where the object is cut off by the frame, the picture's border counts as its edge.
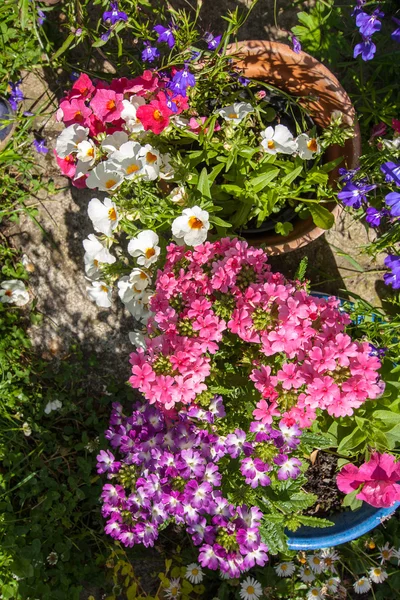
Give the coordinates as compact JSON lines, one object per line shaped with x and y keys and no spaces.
{"x":349,"y":258}
{"x":301,"y":269}
{"x":65,"y":46}
{"x":329,"y":166}
{"x":273,"y":535}
{"x":219,"y":221}
{"x":321,"y":216}
{"x":314,"y":521}
{"x":261,"y":181}
{"x":216,"y":171}
{"x":351,"y":441}
{"x":203,"y":186}
{"x":24,"y":12}
{"x":283,"y":228}
{"x":351,"y":501}
{"x":131,"y":592}
{"x":22,"y":567}
{"x":290,"y":177}
{"x":387,"y":416}
{"x":319,"y":441}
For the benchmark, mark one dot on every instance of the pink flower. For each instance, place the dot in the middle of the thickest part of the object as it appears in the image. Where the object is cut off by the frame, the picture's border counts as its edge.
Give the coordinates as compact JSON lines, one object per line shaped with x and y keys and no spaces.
{"x":107,"y":105}
{"x":210,"y":328}
{"x":154,"y":116}
{"x":145,"y":84}
{"x":378,"y":478}
{"x":265,"y":412}
{"x":75,"y":111}
{"x":67,"y":164}
{"x":141,"y":374}
{"x":290,"y":376}
{"x":322,"y":359}
{"x":196,"y":125}
{"x":82,"y":88}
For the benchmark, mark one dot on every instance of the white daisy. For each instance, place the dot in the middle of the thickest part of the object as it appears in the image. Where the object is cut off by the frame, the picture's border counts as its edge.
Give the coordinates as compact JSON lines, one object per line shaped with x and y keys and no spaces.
{"x":362,"y":585}
{"x":306,"y":574}
{"x":178,"y":196}
{"x":86,"y":152}
{"x":285,"y":569}
{"x":137,"y":339}
{"x":192,"y":226}
{"x":194,"y":573}
{"x":377,"y":575}
{"x":100,"y":293}
{"x":54,"y":405}
{"x":52,"y":558}
{"x":14,"y":292}
{"x":68,"y":140}
{"x":151,"y":162}
{"x":316,"y":563}
{"x":113,"y":142}
{"x":128,"y":113}
{"x":236,"y":112}
{"x":315,"y":593}
{"x":105,"y":177}
{"x":250,"y":589}
{"x":329,"y":556}
{"x":386,"y":552}
{"x":278,"y":140}
{"x":145,"y":247}
{"x":103,"y":215}
{"x":332,"y":584}
{"x":307,"y":147}
{"x":174,"y":589}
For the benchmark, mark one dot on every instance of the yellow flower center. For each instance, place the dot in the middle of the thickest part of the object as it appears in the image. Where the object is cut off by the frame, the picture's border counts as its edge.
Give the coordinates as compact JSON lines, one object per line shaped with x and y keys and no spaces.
{"x":157,"y":115}
{"x":104,"y":288}
{"x":195,"y":572}
{"x":110,"y":183}
{"x":143,"y":275}
{"x":233,"y":116}
{"x":78,"y":116}
{"x":361,"y":582}
{"x":132,"y":169}
{"x":90,"y":152}
{"x":250,"y":589}
{"x":315,"y":593}
{"x":112,"y":215}
{"x":271,"y":144}
{"x":195,"y":223}
{"x":149,"y":252}
{"x":316,"y":560}
{"x":377,"y":572}
{"x":111,"y":105}
{"x":174,"y":591}
{"x":151,"y":158}
{"x":284,"y":567}
{"x":96,"y":262}
{"x":312,"y":145}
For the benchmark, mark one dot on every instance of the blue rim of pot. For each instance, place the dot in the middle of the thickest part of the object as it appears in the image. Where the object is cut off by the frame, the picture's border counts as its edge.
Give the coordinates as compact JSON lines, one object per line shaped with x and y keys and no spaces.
{"x":348,"y":525}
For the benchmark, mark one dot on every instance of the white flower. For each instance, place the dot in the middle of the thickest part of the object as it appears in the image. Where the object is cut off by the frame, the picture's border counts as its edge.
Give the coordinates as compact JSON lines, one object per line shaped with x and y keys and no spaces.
{"x":52,"y":558}
{"x":91,"y":267}
{"x":82,"y":168}
{"x":174,"y":589}
{"x":151,"y":162}
{"x":362,"y":585}
{"x":96,"y":253}
{"x":14,"y":292}
{"x":306,"y":574}
{"x":69,"y":139}
{"x":138,"y":306}
{"x":179,"y":121}
{"x":377,"y":575}
{"x":192,"y":226}
{"x":103,"y":215}
{"x":332,"y":584}
{"x":137,"y":339}
{"x":250,"y":589}
{"x":128,"y":113}
{"x":316,"y":563}
{"x":166,"y":170}
{"x":315,"y":593}
{"x":236,"y":112}
{"x":128,"y":161}
{"x":285,"y":569}
{"x":307,"y":147}
{"x":26,"y":429}
{"x":105,"y":177}
{"x":194,"y":573}
{"x":86,"y":152}
{"x":386,"y":552}
{"x":145,"y":247}
{"x":178,"y":195}
{"x":100,"y":293}
{"x":278,"y":140}
{"x":28,"y":264}
{"x":113,"y":142}
{"x":131,"y":287}
{"x":396,"y":554}
{"x":392,"y":144}
{"x":54,"y":405}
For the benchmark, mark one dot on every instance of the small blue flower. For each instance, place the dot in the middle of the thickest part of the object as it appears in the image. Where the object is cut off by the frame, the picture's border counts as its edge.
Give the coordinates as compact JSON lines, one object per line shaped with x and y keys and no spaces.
{"x":296,"y":43}
{"x":375,"y":351}
{"x":106,"y":35}
{"x":396,"y":33}
{"x":369,"y":24}
{"x":354,"y":194}
{"x":211,"y":41}
{"x":114,"y":15}
{"x":391,"y":172}
{"x":181,"y":81}
{"x":165,"y":35}
{"x":150,"y":53}
{"x":16,"y":94}
{"x":347,"y":175}
{"x":40,"y":145}
{"x":393,"y":200}
{"x":366,"y":48}
{"x":392,"y":262}
{"x":374,"y":216}
{"x":41,"y":17}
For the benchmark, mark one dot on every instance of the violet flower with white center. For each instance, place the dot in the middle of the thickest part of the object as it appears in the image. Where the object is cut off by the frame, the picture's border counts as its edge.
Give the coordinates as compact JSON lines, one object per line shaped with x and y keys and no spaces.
{"x":165,"y":34}
{"x":106,"y":462}
{"x":366,"y":48}
{"x":234,"y":442}
{"x":291,"y":434}
{"x":181,"y":81}
{"x":369,"y":24}
{"x":16,"y":95}
{"x":391,"y":171}
{"x":40,"y":146}
{"x":150,"y":53}
{"x":295,"y":42}
{"x":289,"y":467}
{"x":373,"y":216}
{"x":211,"y":41}
{"x":396,"y":33}
{"x":114,"y":15}
{"x":353,"y":194}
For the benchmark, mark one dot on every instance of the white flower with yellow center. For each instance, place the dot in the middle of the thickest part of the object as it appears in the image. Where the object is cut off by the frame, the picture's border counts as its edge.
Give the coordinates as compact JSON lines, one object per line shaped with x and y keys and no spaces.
{"x":306,"y":574}
{"x":178,"y":196}
{"x":236,"y":112}
{"x":145,"y":248}
{"x":152,"y":162}
{"x":332,"y":584}
{"x":194,"y":573}
{"x":105,"y":177}
{"x":285,"y":569}
{"x":386,"y":552}
{"x":103,"y":215}
{"x":13,"y":291}
{"x":139,"y":305}
{"x":100,"y":293}
{"x":307,"y":147}
{"x":278,"y":140}
{"x":174,"y":589}
{"x":377,"y":575}
{"x":137,"y":339}
{"x":86,"y":152}
{"x":192,"y":227}
{"x":315,"y":593}
{"x":26,"y":428}
{"x":362,"y":585}
{"x":316,"y":563}
{"x":114,"y":141}
{"x":69,"y":139}
{"x":329,"y":556}
{"x":95,"y":254}
{"x":127,"y":160}
{"x":128,"y":113}
{"x":250,"y":589}
{"x":131,"y":287}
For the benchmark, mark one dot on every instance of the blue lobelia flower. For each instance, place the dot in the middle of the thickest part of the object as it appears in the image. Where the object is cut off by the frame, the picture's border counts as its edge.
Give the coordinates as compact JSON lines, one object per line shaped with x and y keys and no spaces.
{"x":396,"y":33}
{"x":16,"y":94}
{"x":393,"y":200}
{"x":374,"y":216}
{"x":296,"y":43}
{"x":366,"y":48}
{"x":182,"y":80}
{"x":150,"y":53}
{"x":114,"y":15}
{"x":391,"y":172}
{"x":392,"y":262}
{"x":354,"y":194}
{"x":165,"y":35}
{"x":212,"y":42}
{"x":40,"y":145}
{"x":369,"y":24}
{"x":347,"y":175}
{"x":41,"y":17}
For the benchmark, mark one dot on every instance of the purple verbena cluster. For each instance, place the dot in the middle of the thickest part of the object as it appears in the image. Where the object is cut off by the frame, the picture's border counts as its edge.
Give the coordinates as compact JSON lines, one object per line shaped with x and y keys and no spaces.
{"x":169,"y":471}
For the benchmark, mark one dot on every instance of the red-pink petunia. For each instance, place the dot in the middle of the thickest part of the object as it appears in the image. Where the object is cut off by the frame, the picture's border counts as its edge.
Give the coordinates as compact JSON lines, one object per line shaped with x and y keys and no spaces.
{"x":75,"y":111}
{"x":82,"y":87}
{"x":107,"y":105}
{"x":154,"y":116}
{"x":67,"y":164}
{"x":378,"y":477}
{"x":145,"y":84}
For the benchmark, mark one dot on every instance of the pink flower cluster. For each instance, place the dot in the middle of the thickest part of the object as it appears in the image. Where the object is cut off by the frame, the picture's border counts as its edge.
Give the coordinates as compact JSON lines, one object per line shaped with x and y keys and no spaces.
{"x":223,"y":294}
{"x":379,"y":480}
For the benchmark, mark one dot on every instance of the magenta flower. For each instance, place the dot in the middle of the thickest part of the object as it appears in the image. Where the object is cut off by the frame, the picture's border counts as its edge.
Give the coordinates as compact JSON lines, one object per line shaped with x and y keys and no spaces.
{"x":378,"y":480}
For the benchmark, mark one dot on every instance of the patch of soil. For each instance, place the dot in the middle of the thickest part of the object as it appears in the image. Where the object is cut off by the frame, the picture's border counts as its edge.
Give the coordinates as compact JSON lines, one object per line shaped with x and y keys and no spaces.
{"x":321,"y":478}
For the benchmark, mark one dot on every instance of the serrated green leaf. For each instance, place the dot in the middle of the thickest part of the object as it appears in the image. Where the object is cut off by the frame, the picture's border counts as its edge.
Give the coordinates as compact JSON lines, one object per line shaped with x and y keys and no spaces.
{"x":283,"y":228}
{"x":273,"y":535}
{"x":314,"y":521}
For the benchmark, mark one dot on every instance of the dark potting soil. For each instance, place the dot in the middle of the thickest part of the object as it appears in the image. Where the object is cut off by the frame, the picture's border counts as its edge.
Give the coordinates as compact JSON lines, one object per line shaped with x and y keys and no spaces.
{"x":321,"y":481}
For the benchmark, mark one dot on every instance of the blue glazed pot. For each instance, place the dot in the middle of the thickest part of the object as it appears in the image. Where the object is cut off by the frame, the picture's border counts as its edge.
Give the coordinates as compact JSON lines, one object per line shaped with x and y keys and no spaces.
{"x":7,"y":123}
{"x":348,"y":525}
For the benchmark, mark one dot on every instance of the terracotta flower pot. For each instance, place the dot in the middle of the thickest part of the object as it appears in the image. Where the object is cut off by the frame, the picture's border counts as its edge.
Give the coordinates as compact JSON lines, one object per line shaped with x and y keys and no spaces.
{"x":320,"y":94}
